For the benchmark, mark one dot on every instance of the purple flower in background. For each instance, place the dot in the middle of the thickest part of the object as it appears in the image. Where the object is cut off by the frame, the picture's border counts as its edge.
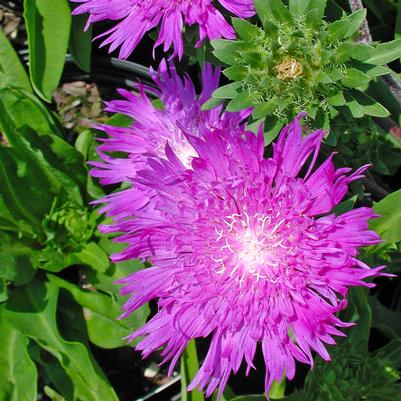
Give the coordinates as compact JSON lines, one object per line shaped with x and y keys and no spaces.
{"x":136,"y":17}
{"x":245,"y":250}
{"x":153,"y":128}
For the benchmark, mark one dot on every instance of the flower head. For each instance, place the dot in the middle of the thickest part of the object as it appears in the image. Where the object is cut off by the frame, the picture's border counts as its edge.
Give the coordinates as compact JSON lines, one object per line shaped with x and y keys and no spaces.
{"x":245,"y":250}
{"x":136,"y":17}
{"x":153,"y":128}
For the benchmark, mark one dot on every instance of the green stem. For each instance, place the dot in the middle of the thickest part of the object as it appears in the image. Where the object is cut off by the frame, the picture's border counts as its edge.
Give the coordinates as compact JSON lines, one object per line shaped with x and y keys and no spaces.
{"x":189,"y":367}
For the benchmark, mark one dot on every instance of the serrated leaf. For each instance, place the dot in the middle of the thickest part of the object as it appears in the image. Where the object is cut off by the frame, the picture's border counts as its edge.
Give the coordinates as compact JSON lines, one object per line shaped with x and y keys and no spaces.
{"x":17,"y":371}
{"x":48,"y":24}
{"x":386,"y":53}
{"x":32,"y":311}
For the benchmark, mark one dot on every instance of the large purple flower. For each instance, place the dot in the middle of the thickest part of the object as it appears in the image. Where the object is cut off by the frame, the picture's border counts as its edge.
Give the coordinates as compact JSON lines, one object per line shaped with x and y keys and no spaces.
{"x":245,"y":250}
{"x":153,"y":128}
{"x":136,"y":17}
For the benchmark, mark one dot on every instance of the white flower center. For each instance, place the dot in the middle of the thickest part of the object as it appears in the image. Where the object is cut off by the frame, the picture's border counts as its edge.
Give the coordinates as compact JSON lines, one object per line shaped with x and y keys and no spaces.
{"x":250,"y":246}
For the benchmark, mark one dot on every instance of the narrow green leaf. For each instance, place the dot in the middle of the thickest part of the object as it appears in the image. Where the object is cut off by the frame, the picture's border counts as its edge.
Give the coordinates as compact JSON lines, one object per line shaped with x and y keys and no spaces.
{"x":17,"y":371}
{"x":386,"y":52}
{"x":81,"y":42}
{"x":189,"y":368}
{"x":272,"y":9}
{"x":391,"y":352}
{"x":12,"y":73}
{"x":32,"y":311}
{"x":48,"y":24}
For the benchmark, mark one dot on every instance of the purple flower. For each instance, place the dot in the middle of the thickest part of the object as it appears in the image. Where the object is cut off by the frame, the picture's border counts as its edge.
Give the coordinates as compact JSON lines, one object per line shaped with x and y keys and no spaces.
{"x":245,"y":250}
{"x":153,"y":128}
{"x":136,"y":17}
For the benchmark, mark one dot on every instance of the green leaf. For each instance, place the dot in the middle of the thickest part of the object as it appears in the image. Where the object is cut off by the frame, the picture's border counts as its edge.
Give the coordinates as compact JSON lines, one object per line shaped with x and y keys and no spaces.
{"x":370,"y":106}
{"x":277,"y":389}
{"x":315,"y":13}
{"x":212,"y":103}
{"x":391,"y":352}
{"x":101,"y":313}
{"x":384,"y":319}
{"x":263,"y":109}
{"x":388,"y":225}
{"x":298,"y":7}
{"x":249,"y":397}
{"x":12,"y":73}
{"x":358,"y":311}
{"x":48,"y":24}
{"x":245,"y":29}
{"x":227,"y":91}
{"x":354,"y":78}
{"x":337,"y":100}
{"x":356,"y":51}
{"x":241,"y":102}
{"x":189,"y":368}
{"x":94,"y":256}
{"x":226,"y":50}
{"x":236,"y":72}
{"x":20,"y":108}
{"x":386,"y":52}
{"x":374,"y":71}
{"x":32,"y":311}
{"x":17,"y":371}
{"x":272,"y":9}
{"x":21,"y":198}
{"x":81,"y":42}
{"x":346,"y":27}
{"x":53,"y":395}
{"x":344,"y":206}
